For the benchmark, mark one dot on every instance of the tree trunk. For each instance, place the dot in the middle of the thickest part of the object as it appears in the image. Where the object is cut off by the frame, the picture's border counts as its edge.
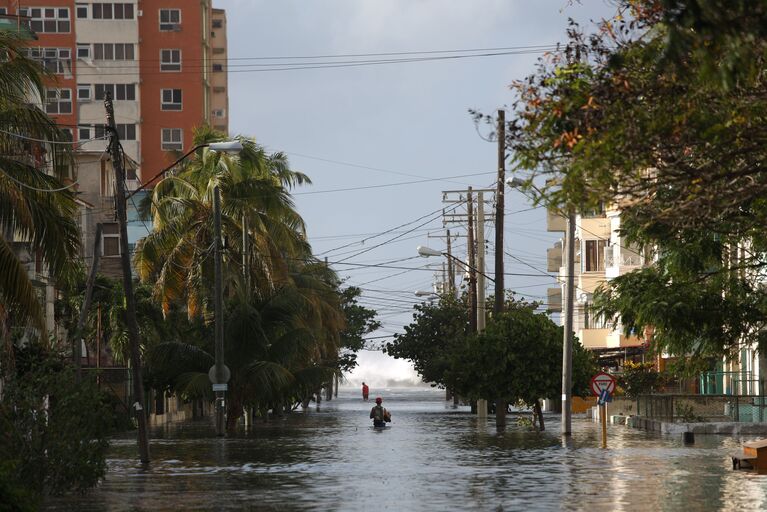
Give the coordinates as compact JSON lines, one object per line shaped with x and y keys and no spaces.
{"x":500,"y":412}
{"x":233,"y":414}
{"x":539,"y":413}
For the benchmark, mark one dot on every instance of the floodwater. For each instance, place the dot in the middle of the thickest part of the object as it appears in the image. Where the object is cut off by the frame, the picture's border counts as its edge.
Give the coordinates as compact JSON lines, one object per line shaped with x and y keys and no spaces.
{"x":433,"y":457}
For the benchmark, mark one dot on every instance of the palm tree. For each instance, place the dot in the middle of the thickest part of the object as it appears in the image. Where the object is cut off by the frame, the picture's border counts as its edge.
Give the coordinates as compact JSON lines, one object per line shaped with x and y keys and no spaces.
{"x":278,"y":345}
{"x":255,"y":202}
{"x":34,"y":207}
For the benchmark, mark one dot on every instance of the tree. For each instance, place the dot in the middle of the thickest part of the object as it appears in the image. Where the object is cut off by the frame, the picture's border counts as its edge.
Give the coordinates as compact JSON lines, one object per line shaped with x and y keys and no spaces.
{"x":517,"y":358}
{"x":33,"y":205}
{"x":430,"y":340}
{"x":255,"y":202}
{"x":53,"y":431}
{"x":360,"y":321}
{"x":686,"y":172}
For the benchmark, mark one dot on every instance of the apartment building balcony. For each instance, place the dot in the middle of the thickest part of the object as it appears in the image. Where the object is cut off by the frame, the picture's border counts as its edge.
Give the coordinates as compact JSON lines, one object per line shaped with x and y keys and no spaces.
{"x":594,"y":338}
{"x":555,"y":221}
{"x":621,"y":260}
{"x":554,"y":258}
{"x":594,"y":227}
{"x":554,"y":299}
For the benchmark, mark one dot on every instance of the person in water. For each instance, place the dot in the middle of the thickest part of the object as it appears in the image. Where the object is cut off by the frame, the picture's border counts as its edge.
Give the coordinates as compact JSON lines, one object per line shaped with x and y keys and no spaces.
{"x":379,"y":414}
{"x":365,"y":391}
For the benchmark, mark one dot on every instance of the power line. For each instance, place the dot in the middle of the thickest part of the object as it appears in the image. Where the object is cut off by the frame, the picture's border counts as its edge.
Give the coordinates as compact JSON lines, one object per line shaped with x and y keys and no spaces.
{"x":383,"y":185}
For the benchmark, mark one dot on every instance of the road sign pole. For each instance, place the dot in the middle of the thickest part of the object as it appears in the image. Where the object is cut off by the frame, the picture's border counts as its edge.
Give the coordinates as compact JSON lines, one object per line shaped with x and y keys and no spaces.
{"x":603,"y":417}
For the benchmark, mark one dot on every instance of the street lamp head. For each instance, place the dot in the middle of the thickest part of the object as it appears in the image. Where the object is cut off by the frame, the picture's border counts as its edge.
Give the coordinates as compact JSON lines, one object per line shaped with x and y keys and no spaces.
{"x":427,"y":251}
{"x":515,"y":182}
{"x":230,"y":147}
{"x":424,"y":293}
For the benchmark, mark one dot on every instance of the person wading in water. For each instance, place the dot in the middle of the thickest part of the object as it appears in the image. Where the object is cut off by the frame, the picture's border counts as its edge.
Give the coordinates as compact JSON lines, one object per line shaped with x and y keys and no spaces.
{"x":365,"y":391}
{"x":379,"y":414}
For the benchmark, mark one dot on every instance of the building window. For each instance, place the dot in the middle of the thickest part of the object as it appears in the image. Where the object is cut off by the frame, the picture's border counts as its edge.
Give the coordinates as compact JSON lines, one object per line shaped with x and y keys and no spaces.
{"x":110,"y":11}
{"x":170,"y":99}
{"x":113,"y":51}
{"x":83,"y":92}
{"x":3,"y":11}
{"x":110,"y":239}
{"x":170,"y":20}
{"x":120,"y":92}
{"x":172,"y":139}
{"x":81,"y":11}
{"x":219,"y":112}
{"x":58,"y":101}
{"x":124,"y":131}
{"x":170,"y":60}
{"x":218,"y":23}
{"x":595,"y":255}
{"x":218,"y":67}
{"x":47,"y":20}
{"x":83,"y":51}
{"x":53,"y":60}
{"x":83,"y":134}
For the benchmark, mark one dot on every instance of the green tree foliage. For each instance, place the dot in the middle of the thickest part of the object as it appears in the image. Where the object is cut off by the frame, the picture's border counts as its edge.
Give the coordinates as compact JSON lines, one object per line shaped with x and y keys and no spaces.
{"x":430,"y":340}
{"x":53,"y":432}
{"x":29,"y":208}
{"x":517,"y":358}
{"x":661,"y":113}
{"x":285,"y":314}
{"x":360,"y":321}
{"x":640,"y":378}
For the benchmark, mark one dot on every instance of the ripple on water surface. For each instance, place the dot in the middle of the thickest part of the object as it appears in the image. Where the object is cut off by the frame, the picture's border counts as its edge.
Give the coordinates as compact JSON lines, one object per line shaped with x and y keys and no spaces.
{"x":433,"y":458}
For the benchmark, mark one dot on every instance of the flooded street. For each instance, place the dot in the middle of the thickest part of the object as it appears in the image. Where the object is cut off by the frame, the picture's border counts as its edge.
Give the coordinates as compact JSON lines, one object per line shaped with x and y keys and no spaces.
{"x":432,"y":458}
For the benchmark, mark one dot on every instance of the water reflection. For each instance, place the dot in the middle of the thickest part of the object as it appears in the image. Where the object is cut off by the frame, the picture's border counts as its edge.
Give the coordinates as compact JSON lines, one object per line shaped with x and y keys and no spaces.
{"x":434,"y":457}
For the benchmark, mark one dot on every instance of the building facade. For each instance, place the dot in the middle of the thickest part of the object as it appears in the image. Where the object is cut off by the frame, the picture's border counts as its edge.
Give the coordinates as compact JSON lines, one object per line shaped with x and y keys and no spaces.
{"x":164,"y":63}
{"x":600,"y":255}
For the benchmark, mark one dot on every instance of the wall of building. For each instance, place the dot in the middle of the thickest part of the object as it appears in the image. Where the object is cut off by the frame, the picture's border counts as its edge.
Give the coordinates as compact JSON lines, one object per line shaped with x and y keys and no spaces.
{"x":190,"y":36}
{"x":219,"y":83}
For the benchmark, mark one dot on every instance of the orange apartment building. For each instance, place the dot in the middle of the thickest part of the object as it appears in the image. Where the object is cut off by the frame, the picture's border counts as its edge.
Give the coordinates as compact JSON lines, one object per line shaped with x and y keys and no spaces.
{"x":158,"y":58}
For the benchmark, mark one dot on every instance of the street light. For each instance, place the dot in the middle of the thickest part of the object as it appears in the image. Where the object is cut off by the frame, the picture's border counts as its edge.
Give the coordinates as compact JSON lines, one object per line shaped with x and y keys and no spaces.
{"x":228,"y":147}
{"x":567,"y":352}
{"x":428,"y":251}
{"x":219,"y":373}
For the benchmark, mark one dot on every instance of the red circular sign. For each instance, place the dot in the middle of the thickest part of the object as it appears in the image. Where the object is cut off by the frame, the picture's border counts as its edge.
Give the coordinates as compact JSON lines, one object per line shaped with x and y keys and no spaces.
{"x":602,"y":381}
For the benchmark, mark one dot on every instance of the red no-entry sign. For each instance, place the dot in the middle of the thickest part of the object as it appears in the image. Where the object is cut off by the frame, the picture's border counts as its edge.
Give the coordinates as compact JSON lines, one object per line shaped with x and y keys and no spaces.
{"x":602,"y":381}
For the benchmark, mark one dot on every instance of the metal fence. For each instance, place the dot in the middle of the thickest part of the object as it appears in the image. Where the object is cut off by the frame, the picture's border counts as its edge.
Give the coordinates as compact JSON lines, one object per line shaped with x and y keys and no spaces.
{"x":703,"y":408}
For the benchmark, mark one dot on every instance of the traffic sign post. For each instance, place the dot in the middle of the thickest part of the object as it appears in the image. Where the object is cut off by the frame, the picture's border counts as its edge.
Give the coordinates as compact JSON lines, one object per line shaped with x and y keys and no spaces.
{"x":603,"y":386}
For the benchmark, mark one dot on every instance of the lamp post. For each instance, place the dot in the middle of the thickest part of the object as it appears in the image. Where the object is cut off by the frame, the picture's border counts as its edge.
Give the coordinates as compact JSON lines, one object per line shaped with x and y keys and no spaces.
{"x":219,"y":373}
{"x":428,"y":251}
{"x":567,"y":349}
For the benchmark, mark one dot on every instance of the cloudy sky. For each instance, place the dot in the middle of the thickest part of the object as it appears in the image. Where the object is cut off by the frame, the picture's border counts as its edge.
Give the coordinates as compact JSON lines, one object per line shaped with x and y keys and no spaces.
{"x":384,"y":125}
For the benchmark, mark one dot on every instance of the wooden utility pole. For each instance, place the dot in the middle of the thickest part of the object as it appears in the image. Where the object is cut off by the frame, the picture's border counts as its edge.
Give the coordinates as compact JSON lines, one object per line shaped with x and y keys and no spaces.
{"x":472,"y":273}
{"x":499,"y":209}
{"x":450,"y":267}
{"x":98,"y":347}
{"x":479,"y":264}
{"x":78,"y":338}
{"x":116,"y":154}
{"x":500,"y":402}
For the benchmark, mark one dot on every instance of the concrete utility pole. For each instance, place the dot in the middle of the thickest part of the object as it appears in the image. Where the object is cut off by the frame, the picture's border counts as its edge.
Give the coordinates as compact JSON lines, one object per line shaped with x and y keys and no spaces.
{"x":500,"y":402}
{"x":472,"y":265}
{"x":480,"y":280}
{"x":78,"y":343}
{"x":220,"y":369}
{"x":130,"y":301}
{"x":567,"y":352}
